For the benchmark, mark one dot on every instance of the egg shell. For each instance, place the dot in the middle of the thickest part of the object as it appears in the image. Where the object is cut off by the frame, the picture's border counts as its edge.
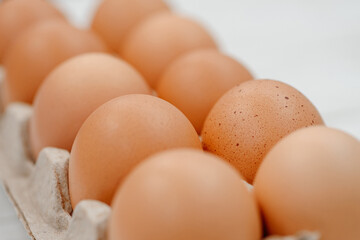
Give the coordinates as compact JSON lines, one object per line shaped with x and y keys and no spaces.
{"x":18,"y":15}
{"x":115,"y":18}
{"x":196,"y":80}
{"x":73,"y":91}
{"x":184,"y":195}
{"x":310,"y":181}
{"x":38,"y":50}
{"x":119,"y":135}
{"x":160,"y":39}
{"x":251,"y":118}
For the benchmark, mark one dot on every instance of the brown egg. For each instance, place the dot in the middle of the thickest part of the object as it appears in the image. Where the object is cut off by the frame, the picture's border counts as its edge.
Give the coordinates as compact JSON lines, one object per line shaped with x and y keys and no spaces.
{"x":195,"y":81}
{"x":310,"y":181}
{"x":18,"y":15}
{"x":119,"y":135}
{"x":73,"y":91}
{"x":4,"y":94}
{"x":38,"y":51}
{"x":154,"y":43}
{"x":251,"y":118}
{"x":115,"y":18}
{"x":184,"y":195}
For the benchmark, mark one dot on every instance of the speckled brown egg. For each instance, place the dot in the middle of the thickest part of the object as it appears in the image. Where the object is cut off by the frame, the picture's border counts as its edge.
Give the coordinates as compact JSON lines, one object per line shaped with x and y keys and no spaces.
{"x":184,"y":195}
{"x":119,"y":135}
{"x":196,"y":80}
{"x":310,"y":181}
{"x":73,"y":91}
{"x":39,"y":50}
{"x":251,"y":118}
{"x":18,"y":15}
{"x":115,"y":18}
{"x":156,"y":42}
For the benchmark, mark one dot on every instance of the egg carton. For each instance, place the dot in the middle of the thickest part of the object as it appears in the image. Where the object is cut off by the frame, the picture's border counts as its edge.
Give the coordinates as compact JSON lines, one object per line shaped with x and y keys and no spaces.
{"x":39,"y":191}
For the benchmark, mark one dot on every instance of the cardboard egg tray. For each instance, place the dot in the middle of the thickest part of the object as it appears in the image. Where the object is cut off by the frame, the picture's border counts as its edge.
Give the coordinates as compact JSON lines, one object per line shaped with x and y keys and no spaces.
{"x":39,"y":191}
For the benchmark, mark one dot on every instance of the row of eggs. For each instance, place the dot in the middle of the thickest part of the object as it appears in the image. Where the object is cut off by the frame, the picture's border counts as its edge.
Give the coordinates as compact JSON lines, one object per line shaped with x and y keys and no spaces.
{"x":104,"y":110}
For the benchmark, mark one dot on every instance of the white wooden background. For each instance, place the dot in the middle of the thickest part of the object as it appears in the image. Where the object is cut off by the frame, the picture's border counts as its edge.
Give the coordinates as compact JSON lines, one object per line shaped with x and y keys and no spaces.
{"x":313,"y":45}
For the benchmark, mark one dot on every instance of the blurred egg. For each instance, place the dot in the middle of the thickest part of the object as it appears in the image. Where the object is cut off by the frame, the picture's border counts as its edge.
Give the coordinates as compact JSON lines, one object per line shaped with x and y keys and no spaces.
{"x":38,"y":51}
{"x":17,"y":15}
{"x":73,"y":91}
{"x":4,"y":98}
{"x":153,"y":44}
{"x":251,"y":118}
{"x":195,"y":81}
{"x":115,"y":18}
{"x":119,"y":135}
{"x":310,"y":181}
{"x":184,"y":195}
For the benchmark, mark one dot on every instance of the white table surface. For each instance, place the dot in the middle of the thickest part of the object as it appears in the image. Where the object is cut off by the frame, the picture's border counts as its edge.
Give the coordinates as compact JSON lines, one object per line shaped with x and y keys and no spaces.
{"x":313,"y":45}
{"x":10,"y":226}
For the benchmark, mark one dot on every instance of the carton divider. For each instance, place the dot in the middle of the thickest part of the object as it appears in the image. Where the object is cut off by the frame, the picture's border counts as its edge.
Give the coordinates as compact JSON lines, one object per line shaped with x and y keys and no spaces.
{"x":14,"y":132}
{"x":89,"y":213}
{"x":49,"y":185}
